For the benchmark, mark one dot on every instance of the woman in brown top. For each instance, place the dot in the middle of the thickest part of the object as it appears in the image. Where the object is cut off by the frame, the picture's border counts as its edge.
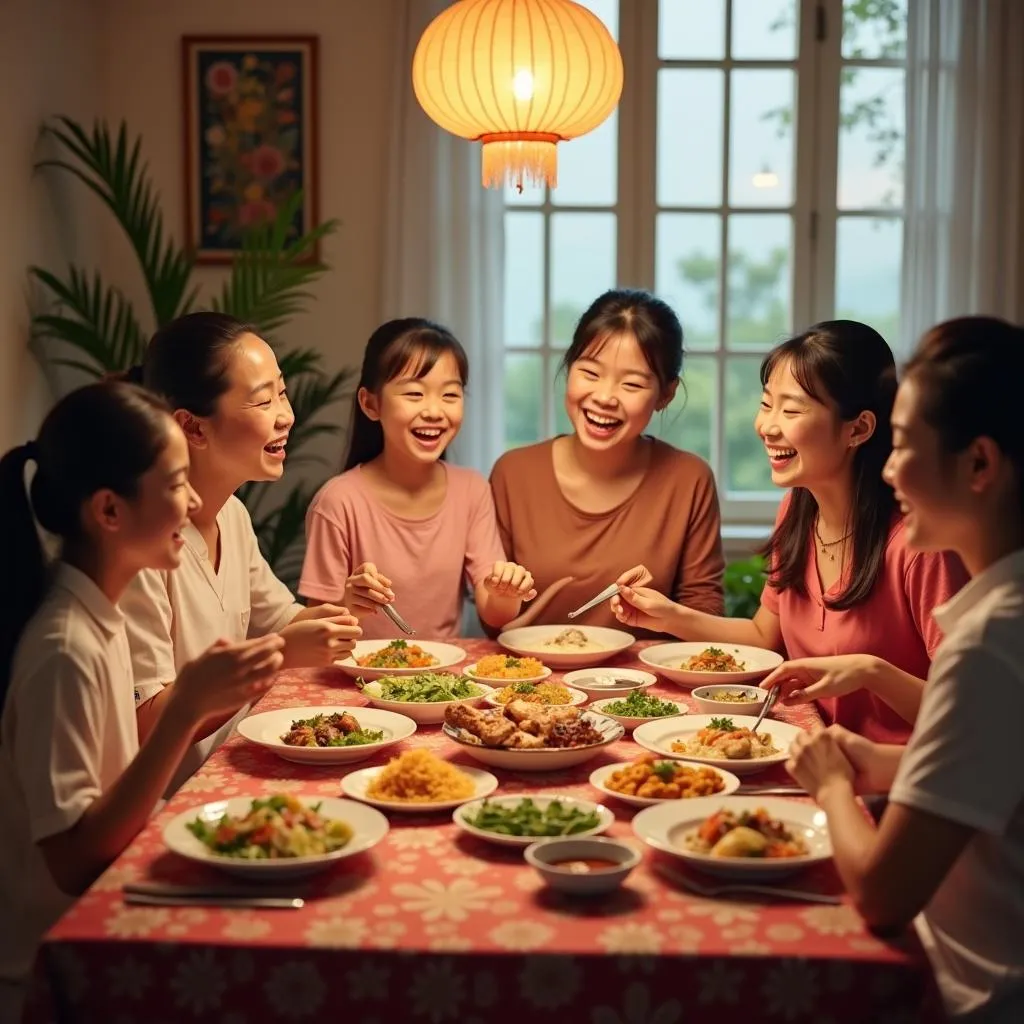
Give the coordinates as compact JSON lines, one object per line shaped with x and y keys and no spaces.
{"x":595,"y":506}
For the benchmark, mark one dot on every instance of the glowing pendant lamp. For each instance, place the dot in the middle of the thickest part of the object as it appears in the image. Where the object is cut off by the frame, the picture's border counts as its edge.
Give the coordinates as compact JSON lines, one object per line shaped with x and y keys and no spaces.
{"x":520,"y":76}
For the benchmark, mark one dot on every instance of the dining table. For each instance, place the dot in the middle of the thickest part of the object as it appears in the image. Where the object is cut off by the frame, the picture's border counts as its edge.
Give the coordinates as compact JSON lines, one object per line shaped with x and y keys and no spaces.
{"x":433,"y":925}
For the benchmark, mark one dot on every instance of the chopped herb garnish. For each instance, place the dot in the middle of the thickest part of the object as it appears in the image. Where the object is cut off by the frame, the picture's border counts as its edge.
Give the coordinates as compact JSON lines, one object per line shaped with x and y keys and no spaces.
{"x":725,"y":724}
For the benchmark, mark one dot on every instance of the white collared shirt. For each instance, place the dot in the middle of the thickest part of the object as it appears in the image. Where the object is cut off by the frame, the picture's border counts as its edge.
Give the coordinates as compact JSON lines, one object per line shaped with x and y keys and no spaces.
{"x":172,"y":617}
{"x":965,"y":763}
{"x":68,"y":732}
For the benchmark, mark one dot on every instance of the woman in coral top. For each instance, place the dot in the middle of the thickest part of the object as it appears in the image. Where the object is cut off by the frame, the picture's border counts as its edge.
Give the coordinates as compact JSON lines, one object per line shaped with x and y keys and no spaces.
{"x":842,"y":579}
{"x":598,"y":504}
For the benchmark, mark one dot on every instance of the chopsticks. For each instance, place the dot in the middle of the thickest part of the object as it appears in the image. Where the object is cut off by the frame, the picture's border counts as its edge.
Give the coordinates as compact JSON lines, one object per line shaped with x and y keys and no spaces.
{"x":605,"y":594}
{"x":166,"y":894}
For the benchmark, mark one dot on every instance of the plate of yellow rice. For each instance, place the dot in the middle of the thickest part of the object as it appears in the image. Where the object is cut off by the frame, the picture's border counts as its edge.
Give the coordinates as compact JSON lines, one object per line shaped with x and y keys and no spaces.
{"x":507,"y":668}
{"x":418,"y":781}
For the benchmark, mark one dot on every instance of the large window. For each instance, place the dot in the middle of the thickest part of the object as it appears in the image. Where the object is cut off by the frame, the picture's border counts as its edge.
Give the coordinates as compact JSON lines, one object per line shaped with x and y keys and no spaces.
{"x":752,"y":176}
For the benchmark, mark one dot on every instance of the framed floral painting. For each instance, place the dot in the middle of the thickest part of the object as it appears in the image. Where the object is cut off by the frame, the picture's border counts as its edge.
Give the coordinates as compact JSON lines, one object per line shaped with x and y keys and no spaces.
{"x":250,"y":116}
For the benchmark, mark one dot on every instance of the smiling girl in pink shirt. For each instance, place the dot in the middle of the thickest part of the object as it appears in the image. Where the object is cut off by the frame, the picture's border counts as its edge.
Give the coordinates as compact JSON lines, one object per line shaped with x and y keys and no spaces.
{"x":842,"y":579}
{"x":400,"y":524}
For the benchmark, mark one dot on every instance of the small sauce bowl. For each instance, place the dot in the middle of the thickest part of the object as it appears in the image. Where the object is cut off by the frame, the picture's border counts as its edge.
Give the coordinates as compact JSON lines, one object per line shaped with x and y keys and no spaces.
{"x":584,"y":866}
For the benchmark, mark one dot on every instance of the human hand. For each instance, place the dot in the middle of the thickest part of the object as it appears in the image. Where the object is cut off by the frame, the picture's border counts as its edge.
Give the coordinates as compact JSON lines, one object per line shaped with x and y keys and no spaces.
{"x":875,"y":764}
{"x":366,"y":589}
{"x":638,"y":576}
{"x":806,"y":679}
{"x":644,"y":608}
{"x":507,"y":579}
{"x":227,"y":676}
{"x":816,"y":761}
{"x":320,"y":639}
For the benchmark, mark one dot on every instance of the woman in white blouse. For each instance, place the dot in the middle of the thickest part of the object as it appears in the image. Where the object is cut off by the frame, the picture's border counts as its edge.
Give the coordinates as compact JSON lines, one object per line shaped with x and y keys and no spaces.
{"x":948,"y":852}
{"x":228,"y":394}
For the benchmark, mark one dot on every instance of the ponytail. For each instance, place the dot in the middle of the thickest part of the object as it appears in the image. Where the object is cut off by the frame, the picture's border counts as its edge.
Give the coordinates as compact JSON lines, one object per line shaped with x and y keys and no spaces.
{"x":22,"y":561}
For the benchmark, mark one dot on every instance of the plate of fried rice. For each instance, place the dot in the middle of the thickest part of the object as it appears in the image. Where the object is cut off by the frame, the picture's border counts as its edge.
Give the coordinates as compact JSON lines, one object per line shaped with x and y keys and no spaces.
{"x":508,"y":668}
{"x":418,"y":781}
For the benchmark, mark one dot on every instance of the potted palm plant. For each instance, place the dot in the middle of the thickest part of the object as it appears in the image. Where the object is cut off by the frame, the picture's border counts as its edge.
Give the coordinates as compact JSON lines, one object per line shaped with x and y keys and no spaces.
{"x":88,"y":324}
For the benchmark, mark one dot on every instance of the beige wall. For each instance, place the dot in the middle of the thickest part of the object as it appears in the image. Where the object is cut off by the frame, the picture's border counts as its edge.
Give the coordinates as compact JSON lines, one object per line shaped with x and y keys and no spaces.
{"x":48,"y":55}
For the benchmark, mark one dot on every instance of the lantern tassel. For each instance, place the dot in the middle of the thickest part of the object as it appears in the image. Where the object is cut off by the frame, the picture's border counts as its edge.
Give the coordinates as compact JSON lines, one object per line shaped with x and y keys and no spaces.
{"x":517,"y":162}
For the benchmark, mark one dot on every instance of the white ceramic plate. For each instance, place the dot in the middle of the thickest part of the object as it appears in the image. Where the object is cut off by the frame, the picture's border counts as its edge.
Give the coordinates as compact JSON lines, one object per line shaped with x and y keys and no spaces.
{"x":539,"y":760}
{"x":459,"y":817}
{"x":267,"y":728}
{"x":423,"y":712}
{"x":471,"y":672}
{"x":709,"y":700}
{"x":659,"y":735}
{"x":665,"y":826}
{"x":447,"y":655}
{"x":530,"y":641}
{"x":356,"y":783}
{"x":666,"y":659}
{"x":598,"y":779}
{"x":368,"y":826}
{"x":577,"y":697}
{"x":630,"y":722}
{"x":592,"y":681}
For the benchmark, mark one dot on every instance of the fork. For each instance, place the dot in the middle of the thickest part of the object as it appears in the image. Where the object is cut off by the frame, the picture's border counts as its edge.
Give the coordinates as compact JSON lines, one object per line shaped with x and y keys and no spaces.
{"x":398,"y":620}
{"x":731,"y":888}
{"x":766,"y":706}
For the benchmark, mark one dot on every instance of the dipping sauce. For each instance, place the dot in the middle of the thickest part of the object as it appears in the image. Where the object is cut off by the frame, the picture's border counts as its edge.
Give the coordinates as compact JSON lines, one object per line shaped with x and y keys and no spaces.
{"x":585,"y":865}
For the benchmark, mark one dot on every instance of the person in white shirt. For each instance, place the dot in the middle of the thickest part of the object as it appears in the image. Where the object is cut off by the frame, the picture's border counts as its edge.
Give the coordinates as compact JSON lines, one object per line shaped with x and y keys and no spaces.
{"x":228,"y":395}
{"x":111,"y":482}
{"x":948,"y":852}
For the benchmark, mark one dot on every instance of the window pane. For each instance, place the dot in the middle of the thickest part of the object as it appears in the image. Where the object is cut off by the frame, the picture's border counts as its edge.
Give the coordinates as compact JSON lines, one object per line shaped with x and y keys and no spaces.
{"x":687,"y":422}
{"x":588,"y":167}
{"x":764,"y":29}
{"x":560,"y":418}
{"x":607,"y":11}
{"x":582,"y":267}
{"x":758,"y":303}
{"x":690,"y":118}
{"x":524,"y":397}
{"x":528,"y":197}
{"x":869,"y":256}
{"x":871,"y":136}
{"x":761,"y":138}
{"x":877,"y":29}
{"x":524,"y":278}
{"x":747,"y":467}
{"x":691,"y":29}
{"x":688,"y":259}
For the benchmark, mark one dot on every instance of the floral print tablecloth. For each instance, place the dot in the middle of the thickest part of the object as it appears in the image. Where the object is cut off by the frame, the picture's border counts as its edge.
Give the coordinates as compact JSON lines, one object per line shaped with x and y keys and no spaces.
{"x":433,"y":925}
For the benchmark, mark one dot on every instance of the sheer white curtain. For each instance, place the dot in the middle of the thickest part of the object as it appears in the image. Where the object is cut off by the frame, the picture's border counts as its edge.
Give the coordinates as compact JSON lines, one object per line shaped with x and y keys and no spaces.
{"x":443,"y":254}
{"x":964,"y":242}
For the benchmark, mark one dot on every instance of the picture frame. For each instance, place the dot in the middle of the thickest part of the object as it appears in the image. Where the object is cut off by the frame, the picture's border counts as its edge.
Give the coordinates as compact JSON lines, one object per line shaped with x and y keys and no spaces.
{"x":250,"y":117}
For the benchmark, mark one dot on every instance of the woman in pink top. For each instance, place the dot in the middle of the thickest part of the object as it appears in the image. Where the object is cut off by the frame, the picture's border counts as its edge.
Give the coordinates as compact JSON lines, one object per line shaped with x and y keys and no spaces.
{"x":842,"y":581}
{"x":399,"y":520}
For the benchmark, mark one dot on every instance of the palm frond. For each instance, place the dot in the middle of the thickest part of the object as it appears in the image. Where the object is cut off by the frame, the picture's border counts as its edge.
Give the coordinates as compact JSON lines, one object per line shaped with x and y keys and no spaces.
{"x":281,"y":533}
{"x":269,"y":278}
{"x":310,"y":396}
{"x":114,"y":171}
{"x":92,"y":317}
{"x":297,"y":361}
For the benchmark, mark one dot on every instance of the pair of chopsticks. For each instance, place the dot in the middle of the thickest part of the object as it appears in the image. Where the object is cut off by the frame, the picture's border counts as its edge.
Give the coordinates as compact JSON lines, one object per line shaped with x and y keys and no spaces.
{"x":167,"y":894}
{"x":605,"y":595}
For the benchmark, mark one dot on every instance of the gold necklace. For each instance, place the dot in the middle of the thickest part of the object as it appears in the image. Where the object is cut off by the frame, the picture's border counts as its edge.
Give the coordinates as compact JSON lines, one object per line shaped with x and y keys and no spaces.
{"x":826,"y":546}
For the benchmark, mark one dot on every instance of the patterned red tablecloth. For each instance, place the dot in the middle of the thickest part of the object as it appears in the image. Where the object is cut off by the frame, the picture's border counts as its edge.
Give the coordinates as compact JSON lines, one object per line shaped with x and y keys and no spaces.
{"x":433,"y":926}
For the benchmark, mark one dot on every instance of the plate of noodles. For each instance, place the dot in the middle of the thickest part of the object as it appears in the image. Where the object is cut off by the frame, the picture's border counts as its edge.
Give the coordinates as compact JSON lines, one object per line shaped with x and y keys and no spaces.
{"x":697,"y":664}
{"x":566,"y":646}
{"x":721,"y":741}
{"x":740,"y":837}
{"x":418,"y":781}
{"x":279,"y":835}
{"x":372,"y":659}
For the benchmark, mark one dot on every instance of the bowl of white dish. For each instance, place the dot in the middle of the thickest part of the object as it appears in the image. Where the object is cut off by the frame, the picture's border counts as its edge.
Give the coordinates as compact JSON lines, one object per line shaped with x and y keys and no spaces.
{"x":609,"y":682}
{"x":583,"y":866}
{"x":703,"y":664}
{"x":566,"y":646}
{"x":729,"y":700}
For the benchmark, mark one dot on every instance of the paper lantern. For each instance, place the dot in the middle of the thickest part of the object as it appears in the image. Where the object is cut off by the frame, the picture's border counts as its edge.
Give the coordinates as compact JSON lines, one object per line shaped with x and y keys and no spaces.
{"x":520,"y":76}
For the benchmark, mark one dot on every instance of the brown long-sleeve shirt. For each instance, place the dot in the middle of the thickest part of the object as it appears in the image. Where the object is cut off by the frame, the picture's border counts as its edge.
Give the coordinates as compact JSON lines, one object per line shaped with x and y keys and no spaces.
{"x":671,"y":524}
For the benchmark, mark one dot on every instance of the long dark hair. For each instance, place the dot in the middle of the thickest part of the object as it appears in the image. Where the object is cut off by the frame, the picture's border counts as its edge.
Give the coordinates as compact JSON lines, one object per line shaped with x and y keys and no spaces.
{"x":968,"y":371}
{"x":650,"y":320}
{"x":392,"y":347}
{"x":850,"y":364}
{"x":102,"y":436}
{"x":186,"y":361}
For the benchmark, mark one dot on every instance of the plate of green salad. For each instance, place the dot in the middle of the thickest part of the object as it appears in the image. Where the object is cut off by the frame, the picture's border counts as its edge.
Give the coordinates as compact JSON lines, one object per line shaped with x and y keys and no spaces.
{"x":637,"y":707}
{"x":424,"y":697}
{"x":522,"y":820}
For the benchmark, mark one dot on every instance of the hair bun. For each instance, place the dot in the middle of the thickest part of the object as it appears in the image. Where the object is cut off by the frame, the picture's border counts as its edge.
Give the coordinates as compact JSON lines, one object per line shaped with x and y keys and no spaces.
{"x":135,"y":374}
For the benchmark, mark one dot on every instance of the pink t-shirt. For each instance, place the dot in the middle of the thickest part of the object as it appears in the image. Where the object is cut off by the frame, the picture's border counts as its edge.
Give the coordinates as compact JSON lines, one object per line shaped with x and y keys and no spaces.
{"x":429,"y":561}
{"x":894,"y":623}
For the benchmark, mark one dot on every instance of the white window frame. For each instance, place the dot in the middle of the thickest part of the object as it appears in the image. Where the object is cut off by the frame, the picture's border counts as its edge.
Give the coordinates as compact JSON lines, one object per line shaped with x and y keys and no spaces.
{"x":818,"y":67}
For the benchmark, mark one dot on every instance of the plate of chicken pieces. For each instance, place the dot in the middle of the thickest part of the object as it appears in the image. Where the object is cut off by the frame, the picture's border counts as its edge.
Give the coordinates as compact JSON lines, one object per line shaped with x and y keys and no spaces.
{"x":326,"y":735}
{"x":528,"y":737}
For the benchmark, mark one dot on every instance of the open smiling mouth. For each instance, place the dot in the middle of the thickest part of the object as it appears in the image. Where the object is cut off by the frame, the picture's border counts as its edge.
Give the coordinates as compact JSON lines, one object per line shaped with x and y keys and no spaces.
{"x":780,"y":457}
{"x":276,"y":447}
{"x":428,"y":435}
{"x":601,"y":424}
